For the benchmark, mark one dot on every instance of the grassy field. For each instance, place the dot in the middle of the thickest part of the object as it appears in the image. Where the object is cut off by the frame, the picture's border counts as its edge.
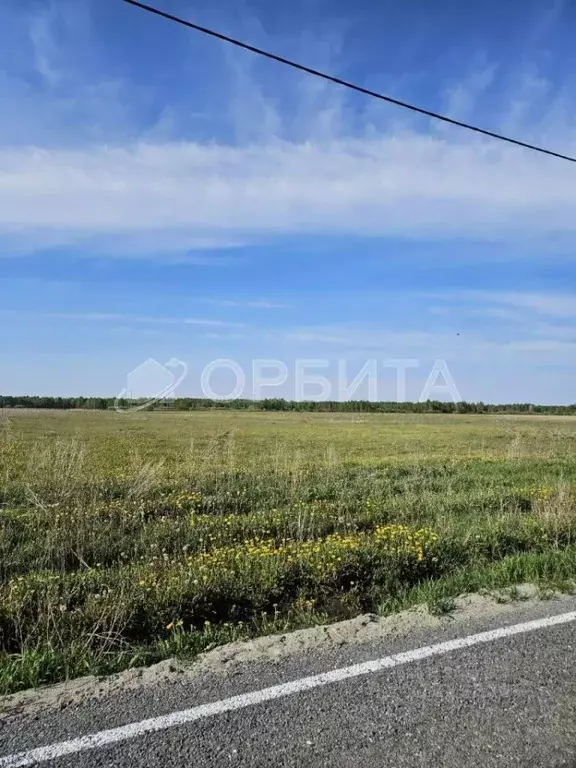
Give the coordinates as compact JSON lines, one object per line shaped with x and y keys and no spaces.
{"x":128,"y":538}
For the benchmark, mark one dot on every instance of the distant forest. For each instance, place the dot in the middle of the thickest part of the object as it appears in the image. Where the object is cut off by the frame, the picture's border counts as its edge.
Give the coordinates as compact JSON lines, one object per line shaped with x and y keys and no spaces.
{"x":278,"y":404}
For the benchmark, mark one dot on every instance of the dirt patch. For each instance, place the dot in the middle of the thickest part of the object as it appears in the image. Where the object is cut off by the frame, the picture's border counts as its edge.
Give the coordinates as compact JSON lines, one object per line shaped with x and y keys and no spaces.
{"x":273,"y":648}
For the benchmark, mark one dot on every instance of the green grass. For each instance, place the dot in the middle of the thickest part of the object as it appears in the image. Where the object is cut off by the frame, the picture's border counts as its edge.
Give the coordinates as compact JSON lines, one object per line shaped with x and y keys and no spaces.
{"x":126,"y":539}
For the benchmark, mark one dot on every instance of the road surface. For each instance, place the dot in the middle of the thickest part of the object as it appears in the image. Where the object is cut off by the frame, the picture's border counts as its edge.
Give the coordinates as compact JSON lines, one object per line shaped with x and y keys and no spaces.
{"x":496,"y":691}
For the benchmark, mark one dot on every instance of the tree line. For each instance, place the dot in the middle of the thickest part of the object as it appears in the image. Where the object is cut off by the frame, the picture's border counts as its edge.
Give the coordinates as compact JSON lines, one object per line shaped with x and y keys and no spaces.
{"x":279,"y":404}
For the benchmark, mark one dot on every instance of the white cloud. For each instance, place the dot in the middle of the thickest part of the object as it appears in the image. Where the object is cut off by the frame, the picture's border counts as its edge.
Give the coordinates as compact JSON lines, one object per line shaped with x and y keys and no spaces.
{"x":227,"y":336}
{"x":529,"y":343}
{"x":266,"y":305}
{"x":374,"y":339}
{"x":44,"y":46}
{"x":405,"y":185}
{"x":106,"y":317}
{"x":307,"y":162}
{"x":545,"y":21}
{"x":560,"y":305}
{"x":254,"y":304}
{"x":214,"y":323}
{"x":462,"y":95}
{"x":318,"y":336}
{"x":564,"y":351}
{"x":557,"y":332}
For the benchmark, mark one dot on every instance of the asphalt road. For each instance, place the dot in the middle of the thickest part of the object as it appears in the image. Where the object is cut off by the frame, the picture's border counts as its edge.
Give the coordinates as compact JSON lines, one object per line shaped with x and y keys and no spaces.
{"x":507,"y":702}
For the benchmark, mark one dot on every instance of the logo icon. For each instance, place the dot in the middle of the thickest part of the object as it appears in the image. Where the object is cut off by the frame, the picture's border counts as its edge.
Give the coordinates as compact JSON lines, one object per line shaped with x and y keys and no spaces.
{"x":150,"y":383}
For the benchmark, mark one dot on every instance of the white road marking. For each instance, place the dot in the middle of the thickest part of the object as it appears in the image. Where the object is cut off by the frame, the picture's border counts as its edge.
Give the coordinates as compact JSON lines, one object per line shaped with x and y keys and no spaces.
{"x":133,"y":730}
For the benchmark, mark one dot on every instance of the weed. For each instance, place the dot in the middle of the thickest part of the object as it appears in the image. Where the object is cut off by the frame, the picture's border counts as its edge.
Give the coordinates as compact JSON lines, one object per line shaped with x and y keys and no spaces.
{"x":123,"y":541}
{"x":443,"y":606}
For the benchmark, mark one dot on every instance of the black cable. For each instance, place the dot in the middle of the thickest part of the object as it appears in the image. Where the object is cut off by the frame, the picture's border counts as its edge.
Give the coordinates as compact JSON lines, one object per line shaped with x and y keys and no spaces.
{"x":345,"y":83}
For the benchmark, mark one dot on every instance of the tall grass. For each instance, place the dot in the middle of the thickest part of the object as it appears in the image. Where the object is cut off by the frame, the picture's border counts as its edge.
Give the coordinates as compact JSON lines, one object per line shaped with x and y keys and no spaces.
{"x":124,"y":541}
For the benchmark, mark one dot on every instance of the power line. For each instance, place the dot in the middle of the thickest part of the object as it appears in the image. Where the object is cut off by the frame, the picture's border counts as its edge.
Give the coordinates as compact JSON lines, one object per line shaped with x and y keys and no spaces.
{"x":345,"y":83}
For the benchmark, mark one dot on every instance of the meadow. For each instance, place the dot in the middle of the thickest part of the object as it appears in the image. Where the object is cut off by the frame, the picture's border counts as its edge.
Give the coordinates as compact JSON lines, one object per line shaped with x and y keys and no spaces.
{"x":129,"y":538}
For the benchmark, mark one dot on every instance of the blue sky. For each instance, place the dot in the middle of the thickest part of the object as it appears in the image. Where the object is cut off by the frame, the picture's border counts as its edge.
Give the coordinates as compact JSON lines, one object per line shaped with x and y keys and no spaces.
{"x":164,"y":196}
